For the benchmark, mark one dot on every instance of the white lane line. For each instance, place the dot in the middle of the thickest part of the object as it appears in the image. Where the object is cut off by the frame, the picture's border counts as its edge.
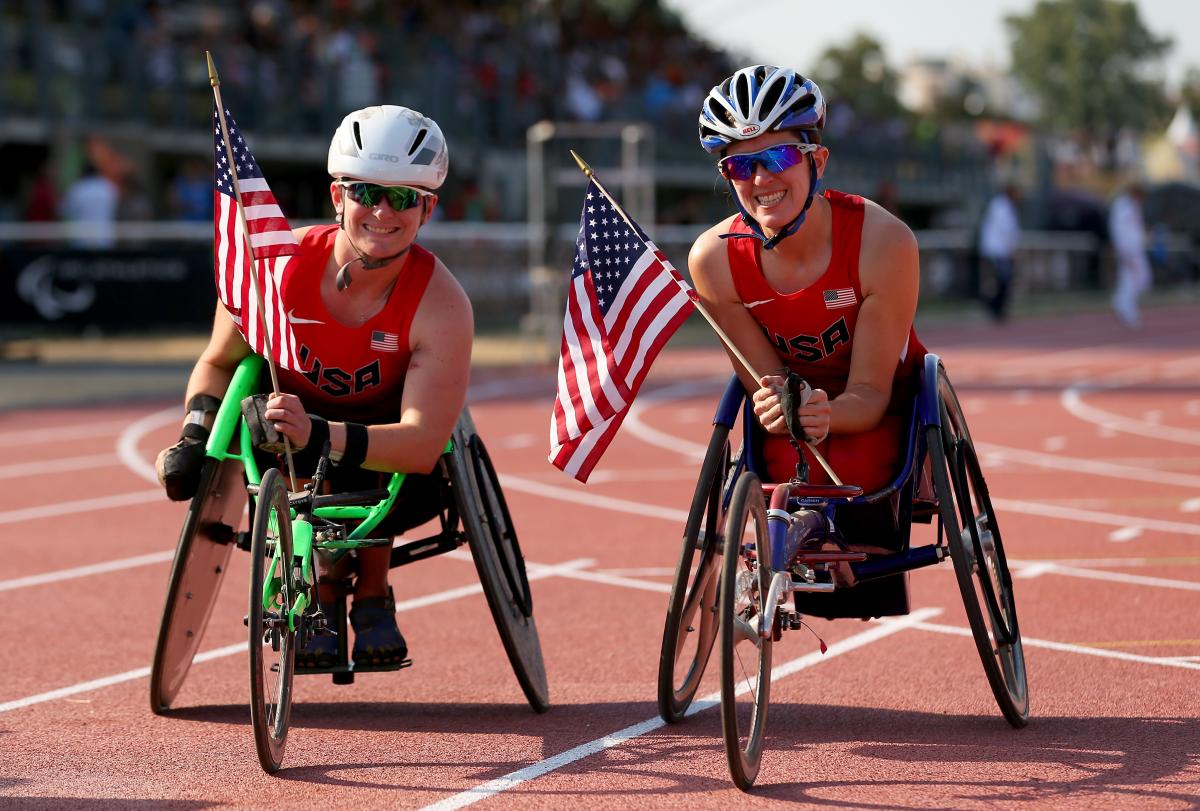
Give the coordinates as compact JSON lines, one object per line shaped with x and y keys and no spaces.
{"x":1092,"y":516}
{"x":1120,"y":577}
{"x":1031,"y":570}
{"x":1075,"y":464}
{"x":86,"y":571}
{"x":1124,"y":534}
{"x":128,"y":440}
{"x":1072,"y":401}
{"x":543,"y":571}
{"x":82,"y":506}
{"x":63,"y":465}
{"x":694,"y":451}
{"x":882,"y":629}
{"x":90,"y":430}
{"x":1067,"y":647}
{"x":1192,"y":505}
{"x":581,"y":496}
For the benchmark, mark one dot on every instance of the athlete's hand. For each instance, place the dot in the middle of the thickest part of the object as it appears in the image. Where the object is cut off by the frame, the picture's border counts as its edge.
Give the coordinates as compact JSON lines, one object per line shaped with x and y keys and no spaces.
{"x":768,"y":408}
{"x":286,"y":413}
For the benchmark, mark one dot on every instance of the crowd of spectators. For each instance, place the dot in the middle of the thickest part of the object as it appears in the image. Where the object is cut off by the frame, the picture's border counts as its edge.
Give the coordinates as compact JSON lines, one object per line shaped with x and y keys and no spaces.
{"x":485,"y":69}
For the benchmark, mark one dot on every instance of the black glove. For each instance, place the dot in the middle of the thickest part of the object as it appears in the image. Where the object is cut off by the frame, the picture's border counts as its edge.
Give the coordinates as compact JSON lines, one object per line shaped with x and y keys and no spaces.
{"x":179,"y":466}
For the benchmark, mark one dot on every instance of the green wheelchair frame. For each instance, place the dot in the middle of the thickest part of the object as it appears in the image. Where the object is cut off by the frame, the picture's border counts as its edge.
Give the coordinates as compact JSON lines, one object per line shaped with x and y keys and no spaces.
{"x":287,"y":530}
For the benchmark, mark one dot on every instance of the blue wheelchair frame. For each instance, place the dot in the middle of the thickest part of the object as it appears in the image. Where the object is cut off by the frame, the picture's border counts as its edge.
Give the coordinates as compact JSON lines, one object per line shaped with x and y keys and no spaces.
{"x":902,"y":492}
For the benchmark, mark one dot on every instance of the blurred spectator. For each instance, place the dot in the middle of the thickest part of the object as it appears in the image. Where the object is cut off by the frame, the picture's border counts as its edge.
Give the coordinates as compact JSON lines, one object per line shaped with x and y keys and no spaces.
{"x":887,"y":197}
{"x":192,"y":192}
{"x":998,"y":237}
{"x":41,"y":200}
{"x":91,"y":204}
{"x":472,"y":205}
{"x":1127,"y":230}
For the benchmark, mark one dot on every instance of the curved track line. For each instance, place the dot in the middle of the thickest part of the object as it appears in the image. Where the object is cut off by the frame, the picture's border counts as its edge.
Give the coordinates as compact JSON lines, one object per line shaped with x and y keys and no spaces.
{"x":883,"y":629}
{"x":127,"y":442}
{"x":1072,"y":402}
{"x":1074,"y":464}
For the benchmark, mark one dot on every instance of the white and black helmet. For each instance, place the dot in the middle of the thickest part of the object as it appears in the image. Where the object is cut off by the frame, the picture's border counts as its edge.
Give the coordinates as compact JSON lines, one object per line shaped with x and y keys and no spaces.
{"x":758,"y":99}
{"x":391,"y":146}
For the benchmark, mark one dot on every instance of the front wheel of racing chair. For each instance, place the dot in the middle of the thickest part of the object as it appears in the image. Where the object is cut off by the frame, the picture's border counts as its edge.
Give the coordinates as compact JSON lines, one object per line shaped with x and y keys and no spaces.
{"x":497,"y":555}
{"x":973,"y":535}
{"x":273,"y":591}
{"x":201,"y":557}
{"x":746,"y":645}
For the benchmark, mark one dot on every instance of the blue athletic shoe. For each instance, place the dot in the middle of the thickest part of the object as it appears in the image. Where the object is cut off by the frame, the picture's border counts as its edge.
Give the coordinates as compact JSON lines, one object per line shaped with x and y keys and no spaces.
{"x":377,"y":640}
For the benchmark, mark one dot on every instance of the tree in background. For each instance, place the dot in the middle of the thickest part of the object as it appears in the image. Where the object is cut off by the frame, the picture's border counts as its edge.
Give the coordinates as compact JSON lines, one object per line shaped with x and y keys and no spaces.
{"x":1088,"y":62}
{"x":857,"y":74}
{"x":1189,"y":93}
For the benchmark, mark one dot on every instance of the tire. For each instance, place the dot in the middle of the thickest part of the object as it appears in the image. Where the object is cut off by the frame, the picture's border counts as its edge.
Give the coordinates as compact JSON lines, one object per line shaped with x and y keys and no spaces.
{"x":498,"y":560}
{"x":745,"y":655}
{"x":201,"y":558}
{"x":272,"y":643}
{"x":976,"y":548}
{"x":691,"y":624}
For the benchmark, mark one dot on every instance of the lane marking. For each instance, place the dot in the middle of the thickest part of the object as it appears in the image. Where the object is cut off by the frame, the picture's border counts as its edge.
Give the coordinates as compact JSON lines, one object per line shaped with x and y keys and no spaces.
{"x":91,"y":430}
{"x":1119,"y":577}
{"x":87,"y":571}
{"x":1078,"y":465}
{"x":1192,"y":505}
{"x":1124,"y":534}
{"x":127,"y":442}
{"x":82,"y":506}
{"x":581,"y":496}
{"x":1067,"y":647}
{"x":1093,"y":517}
{"x":883,"y":629}
{"x":61,"y":465}
{"x":1072,"y":402}
{"x":543,"y":571}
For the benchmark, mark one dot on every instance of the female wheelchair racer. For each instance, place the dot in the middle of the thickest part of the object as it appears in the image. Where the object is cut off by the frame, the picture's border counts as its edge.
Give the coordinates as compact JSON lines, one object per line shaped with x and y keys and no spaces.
{"x":757,"y":557}
{"x":287,"y":531}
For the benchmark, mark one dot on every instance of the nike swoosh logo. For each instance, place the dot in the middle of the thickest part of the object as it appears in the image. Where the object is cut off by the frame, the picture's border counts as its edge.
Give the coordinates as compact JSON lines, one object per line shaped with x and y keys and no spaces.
{"x":749,"y":305}
{"x":295,"y":319}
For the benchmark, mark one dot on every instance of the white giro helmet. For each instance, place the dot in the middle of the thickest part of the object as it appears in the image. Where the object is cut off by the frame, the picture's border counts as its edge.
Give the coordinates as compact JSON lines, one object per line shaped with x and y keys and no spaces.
{"x":758,"y":99}
{"x":391,"y":146}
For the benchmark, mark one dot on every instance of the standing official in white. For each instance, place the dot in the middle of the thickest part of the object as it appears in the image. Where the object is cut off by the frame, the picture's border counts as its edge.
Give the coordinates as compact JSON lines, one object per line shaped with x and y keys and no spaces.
{"x":1127,"y":230}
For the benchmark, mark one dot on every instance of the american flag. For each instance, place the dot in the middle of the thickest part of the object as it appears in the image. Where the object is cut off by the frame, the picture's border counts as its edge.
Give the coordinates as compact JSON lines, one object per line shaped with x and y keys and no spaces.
{"x":385,"y":341}
{"x":842,"y":297}
{"x":272,"y":243}
{"x":624,"y":303}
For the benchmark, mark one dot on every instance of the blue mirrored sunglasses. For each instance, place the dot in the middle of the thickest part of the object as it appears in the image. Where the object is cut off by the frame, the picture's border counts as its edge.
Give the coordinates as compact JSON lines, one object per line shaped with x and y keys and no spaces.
{"x":774,"y":159}
{"x":399,"y":198}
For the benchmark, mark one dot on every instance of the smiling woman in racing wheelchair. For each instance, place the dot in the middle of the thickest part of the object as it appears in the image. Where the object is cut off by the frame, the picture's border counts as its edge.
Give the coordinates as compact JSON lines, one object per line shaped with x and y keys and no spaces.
{"x":820,"y":287}
{"x":385,"y":332}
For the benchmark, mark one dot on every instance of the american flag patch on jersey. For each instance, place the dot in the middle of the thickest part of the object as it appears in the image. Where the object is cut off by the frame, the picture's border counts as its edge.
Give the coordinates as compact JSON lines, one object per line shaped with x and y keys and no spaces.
{"x":843,"y":297}
{"x":385,"y":341}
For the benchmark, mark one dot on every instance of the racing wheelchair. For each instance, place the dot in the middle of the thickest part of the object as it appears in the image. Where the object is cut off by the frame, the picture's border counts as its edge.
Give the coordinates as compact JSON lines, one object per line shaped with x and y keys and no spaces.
{"x":757,"y":558}
{"x":289,"y":530}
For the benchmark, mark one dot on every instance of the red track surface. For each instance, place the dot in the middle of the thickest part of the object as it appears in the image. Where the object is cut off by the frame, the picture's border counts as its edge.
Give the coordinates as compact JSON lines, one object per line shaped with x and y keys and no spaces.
{"x":1089,"y":437}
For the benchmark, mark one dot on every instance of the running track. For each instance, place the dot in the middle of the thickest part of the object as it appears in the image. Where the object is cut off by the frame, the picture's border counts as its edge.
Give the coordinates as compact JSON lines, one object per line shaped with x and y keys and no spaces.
{"x":1091,"y":442}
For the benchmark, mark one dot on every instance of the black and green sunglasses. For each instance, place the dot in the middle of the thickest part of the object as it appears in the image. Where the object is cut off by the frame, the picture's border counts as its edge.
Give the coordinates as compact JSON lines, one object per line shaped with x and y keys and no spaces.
{"x":400,"y":198}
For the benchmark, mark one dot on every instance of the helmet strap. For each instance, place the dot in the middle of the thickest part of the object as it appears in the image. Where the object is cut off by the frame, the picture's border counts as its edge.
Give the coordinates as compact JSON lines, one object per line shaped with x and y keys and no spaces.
{"x":814,"y":186}
{"x":343,"y":279}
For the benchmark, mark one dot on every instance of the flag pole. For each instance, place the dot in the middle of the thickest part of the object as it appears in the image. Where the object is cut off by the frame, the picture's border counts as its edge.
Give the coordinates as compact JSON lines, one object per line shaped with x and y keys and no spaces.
{"x":258,"y":296}
{"x":725,"y":339}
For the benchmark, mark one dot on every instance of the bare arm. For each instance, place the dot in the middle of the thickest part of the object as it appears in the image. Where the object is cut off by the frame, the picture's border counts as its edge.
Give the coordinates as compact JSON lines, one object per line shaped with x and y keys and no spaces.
{"x":217,"y":363}
{"x":889,"y":275}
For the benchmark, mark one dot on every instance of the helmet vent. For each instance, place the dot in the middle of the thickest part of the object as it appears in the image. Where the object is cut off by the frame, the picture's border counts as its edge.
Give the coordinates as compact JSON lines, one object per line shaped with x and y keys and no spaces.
{"x":416,"y":144}
{"x":771,"y":97}
{"x":358,"y":136}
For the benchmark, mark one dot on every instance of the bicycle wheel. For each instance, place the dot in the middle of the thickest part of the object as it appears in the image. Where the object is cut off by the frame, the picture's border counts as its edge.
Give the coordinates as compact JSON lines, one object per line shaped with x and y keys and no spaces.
{"x":691,"y":624}
{"x":976,"y":548}
{"x":201,"y":558}
{"x":272,"y":594}
{"x":745,"y":653}
{"x":498,"y":560}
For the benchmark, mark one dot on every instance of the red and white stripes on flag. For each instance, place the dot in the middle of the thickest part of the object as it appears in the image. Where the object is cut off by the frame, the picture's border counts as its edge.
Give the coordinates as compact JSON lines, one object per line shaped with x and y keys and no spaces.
{"x":271,"y":241}
{"x":624,"y":303}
